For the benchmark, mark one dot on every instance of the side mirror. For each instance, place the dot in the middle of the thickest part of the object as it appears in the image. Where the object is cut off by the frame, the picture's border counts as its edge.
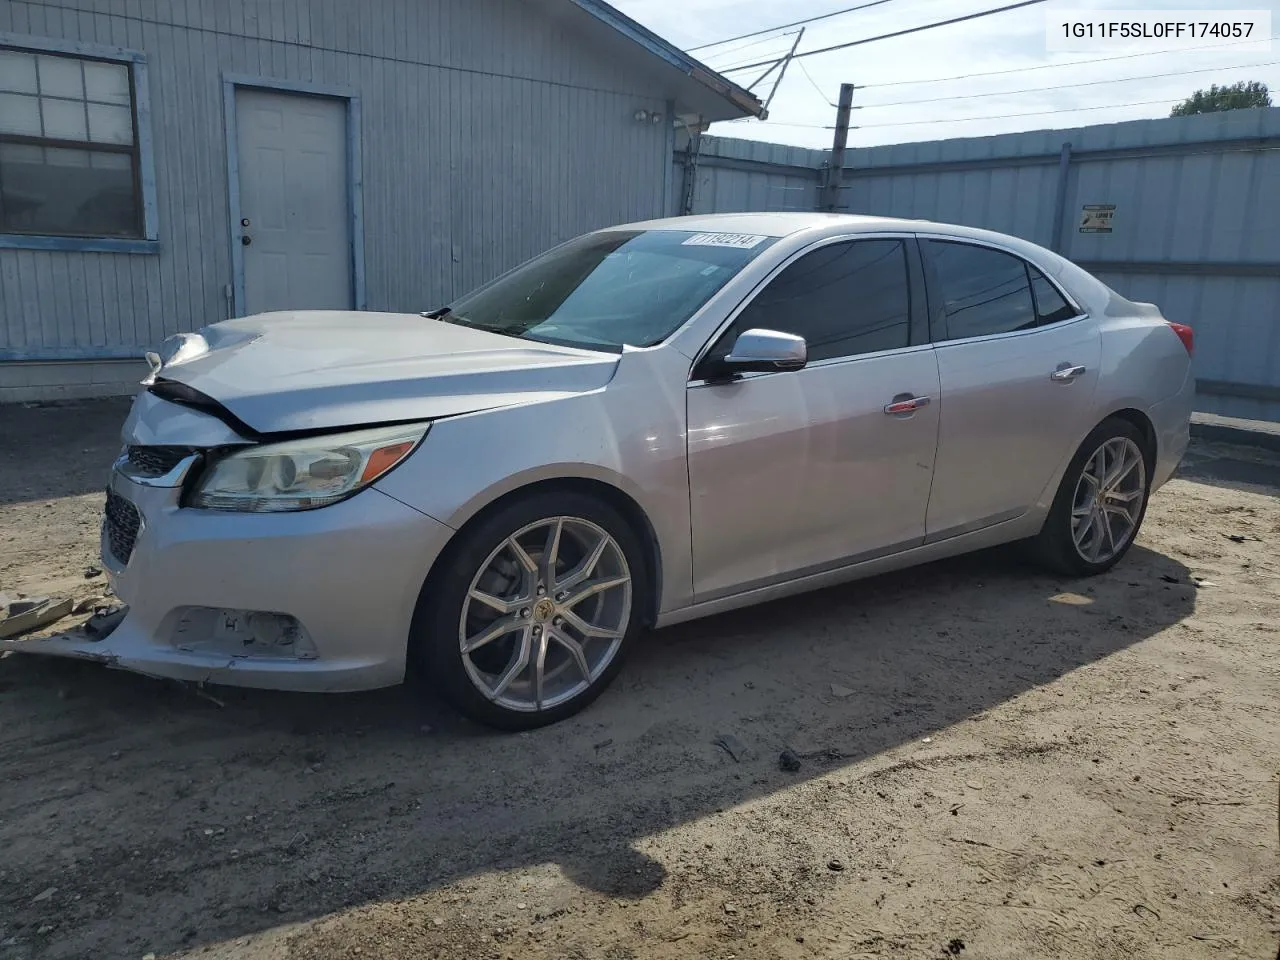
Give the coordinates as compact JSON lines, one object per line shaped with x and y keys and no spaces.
{"x":766,"y":351}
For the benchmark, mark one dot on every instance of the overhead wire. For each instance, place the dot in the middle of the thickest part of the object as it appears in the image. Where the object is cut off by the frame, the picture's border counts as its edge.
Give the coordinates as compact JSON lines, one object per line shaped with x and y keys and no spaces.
{"x":954,"y":20}
{"x":753,"y":43}
{"x":888,"y":36}
{"x":1065,"y":86}
{"x":1034,"y":113}
{"x":1000,"y":116}
{"x":817,"y":89}
{"x":794,"y":23}
{"x":1050,"y":66}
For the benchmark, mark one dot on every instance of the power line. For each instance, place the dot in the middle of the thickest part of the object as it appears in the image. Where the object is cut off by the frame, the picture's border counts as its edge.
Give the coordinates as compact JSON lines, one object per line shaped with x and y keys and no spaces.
{"x":753,"y":63}
{"x":1049,"y":66}
{"x":1001,"y":116}
{"x":817,"y":89}
{"x":753,"y":43}
{"x":1068,"y":86}
{"x":784,"y":26}
{"x":889,"y":36}
{"x":1007,"y":116}
{"x":780,"y":123}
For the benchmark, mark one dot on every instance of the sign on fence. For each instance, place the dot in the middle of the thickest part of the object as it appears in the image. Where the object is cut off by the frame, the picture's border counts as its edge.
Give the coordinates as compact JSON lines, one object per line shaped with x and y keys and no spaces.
{"x":1096,"y":217}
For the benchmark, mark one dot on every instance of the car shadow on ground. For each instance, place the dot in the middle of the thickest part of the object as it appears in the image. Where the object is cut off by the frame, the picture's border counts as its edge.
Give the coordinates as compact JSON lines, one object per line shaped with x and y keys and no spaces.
{"x":166,"y":820}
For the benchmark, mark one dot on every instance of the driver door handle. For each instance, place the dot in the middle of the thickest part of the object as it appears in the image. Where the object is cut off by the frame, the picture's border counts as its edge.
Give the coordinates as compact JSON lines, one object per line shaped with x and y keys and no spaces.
{"x":905,"y":403}
{"x":1066,"y":373}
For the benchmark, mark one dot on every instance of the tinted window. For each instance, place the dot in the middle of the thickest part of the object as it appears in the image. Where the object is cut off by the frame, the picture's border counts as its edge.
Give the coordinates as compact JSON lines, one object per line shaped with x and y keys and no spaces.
{"x":844,"y":299}
{"x":983,"y":291}
{"x":607,"y":289}
{"x":1050,"y":306}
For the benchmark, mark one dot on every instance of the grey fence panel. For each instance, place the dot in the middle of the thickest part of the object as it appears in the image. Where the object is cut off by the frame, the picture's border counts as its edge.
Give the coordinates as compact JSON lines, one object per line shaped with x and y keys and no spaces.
{"x":1195,"y":225}
{"x":733,"y":176}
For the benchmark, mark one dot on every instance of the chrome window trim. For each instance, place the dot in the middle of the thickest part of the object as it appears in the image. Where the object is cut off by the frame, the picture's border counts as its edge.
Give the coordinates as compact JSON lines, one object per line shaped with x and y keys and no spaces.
{"x":750,"y":297}
{"x":1009,"y":334}
{"x":816,"y":365}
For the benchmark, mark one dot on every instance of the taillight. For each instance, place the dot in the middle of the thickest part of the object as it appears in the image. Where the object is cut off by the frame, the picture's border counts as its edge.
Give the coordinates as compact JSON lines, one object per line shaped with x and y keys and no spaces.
{"x":1186,"y":335}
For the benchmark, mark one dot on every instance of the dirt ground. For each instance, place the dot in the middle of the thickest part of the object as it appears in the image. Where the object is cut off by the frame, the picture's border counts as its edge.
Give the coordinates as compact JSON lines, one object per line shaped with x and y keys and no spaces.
{"x":995,"y":764}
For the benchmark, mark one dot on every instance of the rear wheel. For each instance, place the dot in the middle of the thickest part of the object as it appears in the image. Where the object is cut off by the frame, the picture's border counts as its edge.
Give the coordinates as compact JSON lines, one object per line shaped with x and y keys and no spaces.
{"x":1101,"y":502}
{"x":531,"y":614}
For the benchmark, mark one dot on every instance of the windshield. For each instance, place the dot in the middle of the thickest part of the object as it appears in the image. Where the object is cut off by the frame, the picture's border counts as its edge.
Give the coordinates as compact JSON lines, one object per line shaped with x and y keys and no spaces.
{"x":608,"y":289}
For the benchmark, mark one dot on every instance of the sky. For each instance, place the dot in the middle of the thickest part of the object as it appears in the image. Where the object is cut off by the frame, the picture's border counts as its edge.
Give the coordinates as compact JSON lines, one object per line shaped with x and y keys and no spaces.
{"x":917,"y":67}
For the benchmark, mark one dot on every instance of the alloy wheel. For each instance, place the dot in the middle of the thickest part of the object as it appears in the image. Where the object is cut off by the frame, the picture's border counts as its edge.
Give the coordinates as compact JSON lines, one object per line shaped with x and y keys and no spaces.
{"x":546,"y":614}
{"x":1108,"y":500}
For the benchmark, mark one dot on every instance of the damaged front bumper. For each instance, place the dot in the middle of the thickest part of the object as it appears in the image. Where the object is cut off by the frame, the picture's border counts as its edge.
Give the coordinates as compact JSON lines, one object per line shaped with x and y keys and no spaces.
{"x":314,"y":600}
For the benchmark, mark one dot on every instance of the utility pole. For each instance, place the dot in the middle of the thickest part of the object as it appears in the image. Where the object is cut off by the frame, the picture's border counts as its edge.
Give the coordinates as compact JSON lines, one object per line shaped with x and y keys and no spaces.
{"x":835,"y":170}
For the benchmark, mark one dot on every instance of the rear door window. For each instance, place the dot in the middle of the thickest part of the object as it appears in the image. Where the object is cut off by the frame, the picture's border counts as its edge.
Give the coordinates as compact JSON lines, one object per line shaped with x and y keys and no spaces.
{"x":1051,"y":306}
{"x":983,"y":291}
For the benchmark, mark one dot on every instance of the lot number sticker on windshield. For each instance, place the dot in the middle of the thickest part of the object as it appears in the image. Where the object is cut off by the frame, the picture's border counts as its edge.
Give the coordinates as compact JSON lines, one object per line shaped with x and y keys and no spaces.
{"x":740,"y":241}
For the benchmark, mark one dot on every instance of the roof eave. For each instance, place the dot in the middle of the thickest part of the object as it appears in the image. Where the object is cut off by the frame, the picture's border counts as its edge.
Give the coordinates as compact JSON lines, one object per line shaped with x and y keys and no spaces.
{"x":699,"y":72}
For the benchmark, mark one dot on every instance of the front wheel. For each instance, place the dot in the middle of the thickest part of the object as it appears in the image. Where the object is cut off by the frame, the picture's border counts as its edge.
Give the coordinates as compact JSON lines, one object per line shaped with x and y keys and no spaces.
{"x":1100,"y":504}
{"x":532,"y":610}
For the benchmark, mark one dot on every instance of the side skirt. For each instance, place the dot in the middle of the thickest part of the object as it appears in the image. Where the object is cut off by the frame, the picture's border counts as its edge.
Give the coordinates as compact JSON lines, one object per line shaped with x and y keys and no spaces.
{"x":1026,"y":525}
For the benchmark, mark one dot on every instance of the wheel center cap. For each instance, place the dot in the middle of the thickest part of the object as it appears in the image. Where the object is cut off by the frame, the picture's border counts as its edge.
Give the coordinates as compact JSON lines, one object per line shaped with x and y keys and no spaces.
{"x":543,"y":609}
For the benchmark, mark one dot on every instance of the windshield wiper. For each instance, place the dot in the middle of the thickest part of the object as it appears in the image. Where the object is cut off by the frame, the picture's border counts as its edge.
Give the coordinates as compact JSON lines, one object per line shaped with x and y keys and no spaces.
{"x":448,"y":316}
{"x":489,"y":327}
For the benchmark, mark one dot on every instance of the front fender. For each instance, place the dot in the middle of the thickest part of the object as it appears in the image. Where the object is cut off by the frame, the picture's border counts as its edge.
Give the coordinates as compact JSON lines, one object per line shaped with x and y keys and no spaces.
{"x":629,"y":435}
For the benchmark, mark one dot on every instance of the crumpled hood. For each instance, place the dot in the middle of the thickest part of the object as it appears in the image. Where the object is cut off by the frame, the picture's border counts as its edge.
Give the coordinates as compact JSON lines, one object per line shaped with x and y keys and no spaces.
{"x":305,"y":370}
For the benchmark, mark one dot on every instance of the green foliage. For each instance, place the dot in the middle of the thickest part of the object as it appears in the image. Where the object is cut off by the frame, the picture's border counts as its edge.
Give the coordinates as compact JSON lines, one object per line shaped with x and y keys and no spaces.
{"x":1238,"y":96}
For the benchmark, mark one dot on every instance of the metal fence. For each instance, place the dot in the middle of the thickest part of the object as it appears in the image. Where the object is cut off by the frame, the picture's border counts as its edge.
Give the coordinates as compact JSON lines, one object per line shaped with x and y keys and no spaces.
{"x":1183,"y":212}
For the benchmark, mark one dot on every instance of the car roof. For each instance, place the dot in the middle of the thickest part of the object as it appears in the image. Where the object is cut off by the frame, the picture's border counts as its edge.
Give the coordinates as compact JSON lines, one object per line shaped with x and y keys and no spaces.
{"x":785,"y":224}
{"x":819,"y":225}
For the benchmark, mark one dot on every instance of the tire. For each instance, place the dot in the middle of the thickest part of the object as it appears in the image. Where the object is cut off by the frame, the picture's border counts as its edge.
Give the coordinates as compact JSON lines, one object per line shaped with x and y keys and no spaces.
{"x":1056,"y":545}
{"x":485,"y":559}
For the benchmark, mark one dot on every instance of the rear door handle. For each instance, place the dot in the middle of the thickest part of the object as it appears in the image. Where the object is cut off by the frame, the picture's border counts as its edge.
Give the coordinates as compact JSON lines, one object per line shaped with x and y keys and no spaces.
{"x":905,"y":403}
{"x":1066,"y":373}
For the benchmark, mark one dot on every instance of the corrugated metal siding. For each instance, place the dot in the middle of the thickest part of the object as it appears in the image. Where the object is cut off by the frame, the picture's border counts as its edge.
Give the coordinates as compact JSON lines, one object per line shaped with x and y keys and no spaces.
{"x":718,"y":189}
{"x":1193,"y":194}
{"x":489,"y":133}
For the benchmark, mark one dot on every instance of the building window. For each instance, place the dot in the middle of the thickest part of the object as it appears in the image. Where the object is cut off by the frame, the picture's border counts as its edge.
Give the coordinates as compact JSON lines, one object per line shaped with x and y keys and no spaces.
{"x":70,"y":163}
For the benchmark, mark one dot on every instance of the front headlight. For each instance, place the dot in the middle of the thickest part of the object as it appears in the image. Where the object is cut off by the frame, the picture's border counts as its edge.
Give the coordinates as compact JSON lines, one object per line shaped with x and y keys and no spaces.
{"x":303,"y":474}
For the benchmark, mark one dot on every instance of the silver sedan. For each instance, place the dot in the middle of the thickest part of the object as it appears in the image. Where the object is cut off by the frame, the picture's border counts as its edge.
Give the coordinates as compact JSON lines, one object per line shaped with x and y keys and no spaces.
{"x":644,"y":425}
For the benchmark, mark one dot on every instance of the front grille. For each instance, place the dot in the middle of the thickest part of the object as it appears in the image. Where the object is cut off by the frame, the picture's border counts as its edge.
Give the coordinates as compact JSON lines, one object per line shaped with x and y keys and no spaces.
{"x":120,"y":523}
{"x":156,"y":461}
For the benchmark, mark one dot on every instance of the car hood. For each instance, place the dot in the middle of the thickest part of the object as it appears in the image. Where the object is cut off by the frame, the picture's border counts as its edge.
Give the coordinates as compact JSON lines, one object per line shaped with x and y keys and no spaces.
{"x":307,"y":370}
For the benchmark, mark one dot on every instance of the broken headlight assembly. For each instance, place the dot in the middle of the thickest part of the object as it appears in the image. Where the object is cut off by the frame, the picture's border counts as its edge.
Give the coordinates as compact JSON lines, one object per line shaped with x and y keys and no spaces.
{"x":303,"y":474}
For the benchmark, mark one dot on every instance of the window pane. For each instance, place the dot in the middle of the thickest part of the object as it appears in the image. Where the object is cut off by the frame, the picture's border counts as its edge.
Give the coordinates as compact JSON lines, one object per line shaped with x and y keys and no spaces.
{"x":845,"y":299}
{"x":1050,"y":305}
{"x":106,"y":82}
{"x":984,"y":291}
{"x":61,"y":77}
{"x":110,"y":161}
{"x":110,"y":124}
{"x":61,"y":193}
{"x":18,"y":72}
{"x":63,"y":119}
{"x":59,"y":157}
{"x":19,"y":114}
{"x":23,"y":153}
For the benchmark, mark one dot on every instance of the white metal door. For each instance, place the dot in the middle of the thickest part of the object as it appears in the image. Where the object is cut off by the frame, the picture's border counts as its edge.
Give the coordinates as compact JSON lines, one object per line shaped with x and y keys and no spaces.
{"x":295,"y":229}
